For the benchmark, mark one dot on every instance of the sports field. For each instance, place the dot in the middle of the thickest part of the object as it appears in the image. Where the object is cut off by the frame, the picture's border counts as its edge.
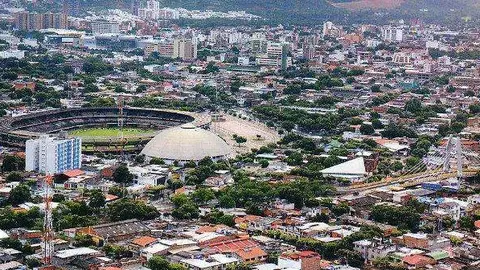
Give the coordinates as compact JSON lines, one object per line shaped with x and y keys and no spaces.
{"x":110,"y":132}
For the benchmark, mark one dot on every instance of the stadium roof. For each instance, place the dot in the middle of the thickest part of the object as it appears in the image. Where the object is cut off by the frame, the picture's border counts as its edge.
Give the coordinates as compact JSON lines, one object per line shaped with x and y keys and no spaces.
{"x":350,"y":169}
{"x":186,"y":143}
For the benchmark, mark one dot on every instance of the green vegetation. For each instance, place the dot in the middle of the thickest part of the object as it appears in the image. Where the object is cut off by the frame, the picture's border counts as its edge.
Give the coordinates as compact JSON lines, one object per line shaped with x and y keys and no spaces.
{"x":110,"y":132}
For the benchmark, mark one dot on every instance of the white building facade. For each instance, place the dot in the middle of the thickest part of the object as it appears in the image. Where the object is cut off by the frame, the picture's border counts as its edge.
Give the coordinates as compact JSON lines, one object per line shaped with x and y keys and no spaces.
{"x":53,"y":155}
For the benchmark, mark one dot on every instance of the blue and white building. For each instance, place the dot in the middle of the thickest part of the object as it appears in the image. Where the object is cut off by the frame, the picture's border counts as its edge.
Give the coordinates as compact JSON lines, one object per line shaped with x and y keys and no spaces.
{"x":52,"y":155}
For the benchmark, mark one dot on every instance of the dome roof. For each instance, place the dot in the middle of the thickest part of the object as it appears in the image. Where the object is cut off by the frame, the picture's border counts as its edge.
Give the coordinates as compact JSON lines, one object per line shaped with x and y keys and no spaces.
{"x":186,"y":142}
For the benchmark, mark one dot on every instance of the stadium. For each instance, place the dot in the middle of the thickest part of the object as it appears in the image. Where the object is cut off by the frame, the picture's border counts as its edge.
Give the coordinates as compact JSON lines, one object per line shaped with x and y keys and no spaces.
{"x":139,"y":126}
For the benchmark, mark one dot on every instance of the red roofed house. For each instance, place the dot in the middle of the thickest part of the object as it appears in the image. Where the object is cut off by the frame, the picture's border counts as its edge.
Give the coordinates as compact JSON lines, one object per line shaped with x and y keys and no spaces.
{"x":73,"y":173}
{"x":246,"y":249}
{"x":20,"y":85}
{"x":418,"y":261}
{"x":477,"y":224}
{"x":142,"y":242}
{"x":305,"y":260}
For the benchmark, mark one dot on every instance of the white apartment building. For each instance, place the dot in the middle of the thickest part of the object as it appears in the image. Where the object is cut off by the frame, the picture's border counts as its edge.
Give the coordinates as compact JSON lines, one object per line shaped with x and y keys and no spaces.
{"x":51,"y":155}
{"x":152,"y":11}
{"x":390,"y":33}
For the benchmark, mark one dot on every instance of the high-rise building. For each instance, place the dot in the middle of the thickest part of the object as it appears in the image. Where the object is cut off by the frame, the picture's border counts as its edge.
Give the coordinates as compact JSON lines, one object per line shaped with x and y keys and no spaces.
{"x":135,"y":7}
{"x":285,"y":47}
{"x":52,"y":155}
{"x":28,"y":21}
{"x":105,"y":27}
{"x":308,"y":51}
{"x":184,"y":49}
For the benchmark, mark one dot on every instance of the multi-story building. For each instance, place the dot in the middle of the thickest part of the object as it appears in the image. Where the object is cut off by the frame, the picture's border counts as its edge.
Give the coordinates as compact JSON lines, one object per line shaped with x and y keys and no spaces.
{"x":152,"y":11}
{"x":277,"y":55}
{"x":53,"y":155}
{"x":258,"y":45}
{"x":184,"y":49}
{"x":28,"y":21}
{"x":105,"y":27}
{"x":390,"y":33}
{"x":166,"y":49}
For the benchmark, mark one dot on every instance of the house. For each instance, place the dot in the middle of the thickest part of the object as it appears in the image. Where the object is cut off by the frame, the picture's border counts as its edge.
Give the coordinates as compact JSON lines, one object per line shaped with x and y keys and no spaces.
{"x":247,"y":250}
{"x":417,"y":261}
{"x":64,"y":257}
{"x":155,"y":249}
{"x":116,"y":231}
{"x":422,"y":241}
{"x":371,"y":249}
{"x":13,"y":265}
{"x":142,"y":242}
{"x":213,"y":262}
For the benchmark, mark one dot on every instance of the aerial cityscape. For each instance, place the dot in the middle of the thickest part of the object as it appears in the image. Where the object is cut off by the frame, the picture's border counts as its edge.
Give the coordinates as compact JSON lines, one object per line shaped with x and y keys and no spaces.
{"x":240,"y":135}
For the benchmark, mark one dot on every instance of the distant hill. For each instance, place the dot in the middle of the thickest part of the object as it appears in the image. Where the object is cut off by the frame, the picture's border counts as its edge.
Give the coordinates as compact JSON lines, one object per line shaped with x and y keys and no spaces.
{"x":355,"y":5}
{"x":338,"y":10}
{"x":314,"y":11}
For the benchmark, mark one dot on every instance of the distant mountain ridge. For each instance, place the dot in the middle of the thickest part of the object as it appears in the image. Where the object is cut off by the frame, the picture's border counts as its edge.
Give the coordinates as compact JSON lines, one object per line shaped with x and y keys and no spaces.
{"x":313,"y":11}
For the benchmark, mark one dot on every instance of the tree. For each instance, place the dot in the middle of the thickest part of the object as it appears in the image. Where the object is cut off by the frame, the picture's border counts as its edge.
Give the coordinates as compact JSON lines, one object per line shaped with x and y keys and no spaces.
{"x":157,"y":161}
{"x":90,"y":88}
{"x":141,"y":88}
{"x":13,"y":163}
{"x":340,"y":209}
{"x":14,"y":177}
{"x":97,"y":199}
{"x":124,"y":209}
{"x":116,"y":251}
{"x":122,"y":175}
{"x":377,"y":124}
{"x":414,"y":105}
{"x":83,"y":240}
{"x":226,"y":201}
{"x":32,"y":262}
{"x":375,"y":88}
{"x":119,"y":89}
{"x":402,"y":216}
{"x":467,"y":222}
{"x":117,"y":191}
{"x":264,"y":163}
{"x":239,"y":139}
{"x":211,"y":68}
{"x":158,"y":263}
{"x":140,"y":159}
{"x":474,"y":108}
{"x":353,"y":258}
{"x":203,"y":195}
{"x":217,"y":217}
{"x":367,"y":129}
{"x":19,"y":194}
{"x":288,"y":125}
{"x":185,"y":208}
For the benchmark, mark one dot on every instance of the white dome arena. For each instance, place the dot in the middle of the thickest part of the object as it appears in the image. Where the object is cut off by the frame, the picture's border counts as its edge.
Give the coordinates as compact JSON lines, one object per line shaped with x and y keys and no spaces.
{"x":186,"y":143}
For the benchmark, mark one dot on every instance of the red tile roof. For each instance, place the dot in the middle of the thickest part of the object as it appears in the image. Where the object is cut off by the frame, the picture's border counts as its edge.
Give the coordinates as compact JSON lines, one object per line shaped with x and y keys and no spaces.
{"x":251,"y":253}
{"x":233,"y":245}
{"x":144,"y":241}
{"x":477,"y":224}
{"x":417,"y":260}
{"x":74,"y":173}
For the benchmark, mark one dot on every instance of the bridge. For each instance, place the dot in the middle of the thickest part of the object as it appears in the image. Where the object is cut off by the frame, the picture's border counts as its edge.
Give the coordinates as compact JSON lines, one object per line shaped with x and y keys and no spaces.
{"x":436,"y":166}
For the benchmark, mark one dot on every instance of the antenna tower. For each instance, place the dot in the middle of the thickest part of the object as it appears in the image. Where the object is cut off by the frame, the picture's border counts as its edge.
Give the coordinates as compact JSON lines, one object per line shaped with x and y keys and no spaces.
{"x":47,"y":221}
